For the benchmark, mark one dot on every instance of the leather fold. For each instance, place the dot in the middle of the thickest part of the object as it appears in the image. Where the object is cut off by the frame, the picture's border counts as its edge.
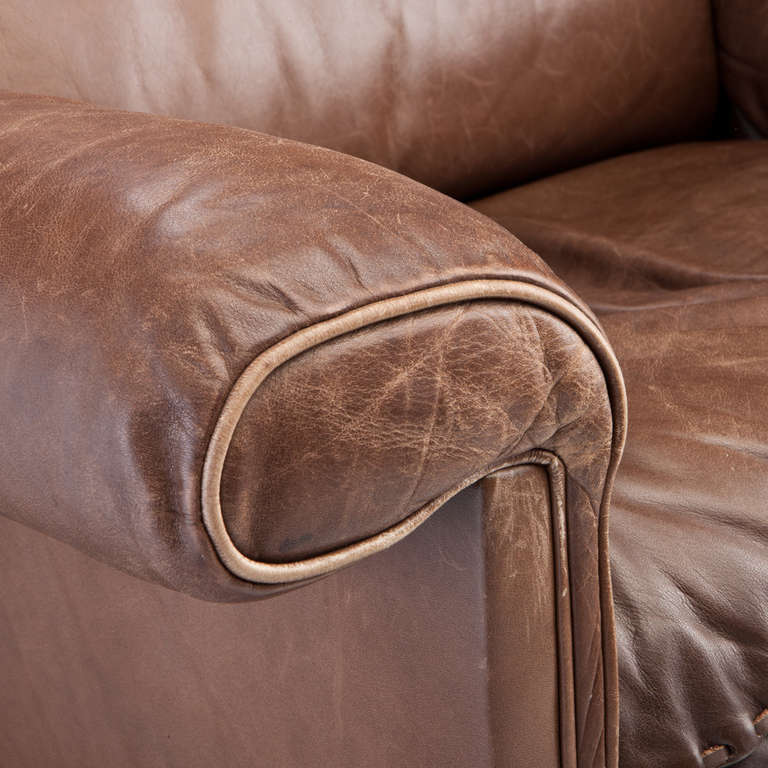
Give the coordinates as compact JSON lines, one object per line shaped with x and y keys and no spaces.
{"x":233,"y":363}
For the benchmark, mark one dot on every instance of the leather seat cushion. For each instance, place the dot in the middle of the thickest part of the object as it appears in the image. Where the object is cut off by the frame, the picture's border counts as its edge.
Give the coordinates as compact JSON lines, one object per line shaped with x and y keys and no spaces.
{"x":671,"y":248}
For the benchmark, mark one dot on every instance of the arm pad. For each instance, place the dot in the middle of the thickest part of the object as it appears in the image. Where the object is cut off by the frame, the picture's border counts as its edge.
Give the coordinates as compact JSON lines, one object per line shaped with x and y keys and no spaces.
{"x":232,"y":363}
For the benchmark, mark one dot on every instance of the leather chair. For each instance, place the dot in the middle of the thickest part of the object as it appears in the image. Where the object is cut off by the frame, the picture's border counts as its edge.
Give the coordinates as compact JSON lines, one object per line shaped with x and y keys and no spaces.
{"x":233,"y":366}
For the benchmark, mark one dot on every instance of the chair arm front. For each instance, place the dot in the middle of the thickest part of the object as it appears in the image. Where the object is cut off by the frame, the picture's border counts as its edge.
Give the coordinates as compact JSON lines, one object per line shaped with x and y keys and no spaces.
{"x":233,"y":363}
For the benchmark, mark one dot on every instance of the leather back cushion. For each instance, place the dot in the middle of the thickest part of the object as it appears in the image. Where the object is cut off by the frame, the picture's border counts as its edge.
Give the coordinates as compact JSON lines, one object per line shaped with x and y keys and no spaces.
{"x":464,"y":95}
{"x":742,"y":31}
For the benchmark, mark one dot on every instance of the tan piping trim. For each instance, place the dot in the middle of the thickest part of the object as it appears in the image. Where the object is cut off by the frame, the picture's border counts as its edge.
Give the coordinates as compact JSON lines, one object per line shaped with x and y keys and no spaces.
{"x":556,"y":479}
{"x":265,"y":363}
{"x":724,"y":755}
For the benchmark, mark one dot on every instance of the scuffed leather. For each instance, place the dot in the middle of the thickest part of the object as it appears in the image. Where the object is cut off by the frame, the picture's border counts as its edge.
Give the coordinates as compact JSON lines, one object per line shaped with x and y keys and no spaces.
{"x":742,"y":34}
{"x":147,"y":261}
{"x":467,"y":96}
{"x":351,"y":437}
{"x":670,"y":246}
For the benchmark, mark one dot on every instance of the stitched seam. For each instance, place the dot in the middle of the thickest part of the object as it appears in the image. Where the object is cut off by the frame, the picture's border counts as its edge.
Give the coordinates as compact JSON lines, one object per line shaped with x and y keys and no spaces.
{"x":717,"y":747}
{"x":517,"y":291}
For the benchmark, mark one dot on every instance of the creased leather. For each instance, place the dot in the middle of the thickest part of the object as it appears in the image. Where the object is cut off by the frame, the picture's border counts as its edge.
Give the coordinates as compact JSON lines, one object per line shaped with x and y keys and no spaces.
{"x":147,"y":261}
{"x":670,"y":246}
{"x":164,"y":256}
{"x":467,"y":96}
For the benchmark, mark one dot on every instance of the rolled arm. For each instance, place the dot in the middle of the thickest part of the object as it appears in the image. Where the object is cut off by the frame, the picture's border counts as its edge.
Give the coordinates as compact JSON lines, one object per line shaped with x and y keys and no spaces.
{"x":233,"y":363}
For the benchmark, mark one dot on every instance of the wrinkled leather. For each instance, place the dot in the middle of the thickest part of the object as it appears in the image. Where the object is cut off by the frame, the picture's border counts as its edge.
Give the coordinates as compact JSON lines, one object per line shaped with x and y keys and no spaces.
{"x":670,"y":246}
{"x":644,"y":227}
{"x":742,"y":35}
{"x":164,"y":256}
{"x":350,"y":438}
{"x":466,"y":96}
{"x":112,"y":224}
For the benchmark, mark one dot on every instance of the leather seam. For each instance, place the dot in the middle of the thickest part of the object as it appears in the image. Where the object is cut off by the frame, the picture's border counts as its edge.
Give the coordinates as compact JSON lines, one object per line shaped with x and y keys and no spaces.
{"x":265,"y":363}
{"x":727,"y":754}
{"x":557,"y":473}
{"x":469,"y":290}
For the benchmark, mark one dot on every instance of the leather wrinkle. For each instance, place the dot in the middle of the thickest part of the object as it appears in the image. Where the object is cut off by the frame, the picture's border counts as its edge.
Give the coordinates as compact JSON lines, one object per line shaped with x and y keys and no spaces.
{"x":642,"y":237}
{"x":219,"y":446}
{"x":432,"y":91}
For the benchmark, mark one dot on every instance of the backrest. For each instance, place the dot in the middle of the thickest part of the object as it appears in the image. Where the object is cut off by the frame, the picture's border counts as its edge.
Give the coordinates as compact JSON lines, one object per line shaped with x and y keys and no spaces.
{"x":464,"y":95}
{"x":742,"y":36}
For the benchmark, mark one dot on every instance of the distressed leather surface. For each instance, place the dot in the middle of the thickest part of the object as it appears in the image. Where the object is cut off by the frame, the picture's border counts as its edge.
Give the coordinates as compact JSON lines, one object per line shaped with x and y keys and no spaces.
{"x":671,"y":247}
{"x":668,"y":246}
{"x":148,"y":261}
{"x":349,"y":438}
{"x":466,"y":96}
{"x":742,"y":35}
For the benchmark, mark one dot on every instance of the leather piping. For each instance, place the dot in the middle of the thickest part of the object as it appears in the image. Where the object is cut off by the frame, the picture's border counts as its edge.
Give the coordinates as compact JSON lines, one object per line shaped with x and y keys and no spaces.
{"x":556,"y":474}
{"x":385,"y":309}
{"x":720,"y":756}
{"x":264,"y":364}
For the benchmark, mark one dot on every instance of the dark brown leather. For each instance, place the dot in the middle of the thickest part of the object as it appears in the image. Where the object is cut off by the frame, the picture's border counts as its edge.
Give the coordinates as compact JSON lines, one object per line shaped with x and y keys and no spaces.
{"x":742,"y":35}
{"x":671,"y":247}
{"x":384,"y":664}
{"x":758,"y":758}
{"x":465,"y":95}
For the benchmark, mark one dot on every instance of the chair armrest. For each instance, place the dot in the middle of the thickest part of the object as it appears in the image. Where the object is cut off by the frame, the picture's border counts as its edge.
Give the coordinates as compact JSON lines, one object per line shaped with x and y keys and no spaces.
{"x":233,"y":363}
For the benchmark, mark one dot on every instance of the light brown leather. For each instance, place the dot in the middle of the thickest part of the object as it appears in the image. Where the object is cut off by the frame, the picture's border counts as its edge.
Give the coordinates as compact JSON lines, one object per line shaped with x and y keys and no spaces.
{"x":671,"y":247}
{"x":466,"y":96}
{"x":742,"y":36}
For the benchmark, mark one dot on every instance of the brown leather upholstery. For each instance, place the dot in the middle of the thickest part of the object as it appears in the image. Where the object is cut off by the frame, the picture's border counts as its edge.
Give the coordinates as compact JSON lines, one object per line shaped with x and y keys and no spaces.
{"x":642,"y":229}
{"x":231,"y":364}
{"x":173,"y":290}
{"x":100,"y":668}
{"x":671,"y":247}
{"x":186,"y":255}
{"x":466,"y":96}
{"x":742,"y":35}
{"x":382,"y":664}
